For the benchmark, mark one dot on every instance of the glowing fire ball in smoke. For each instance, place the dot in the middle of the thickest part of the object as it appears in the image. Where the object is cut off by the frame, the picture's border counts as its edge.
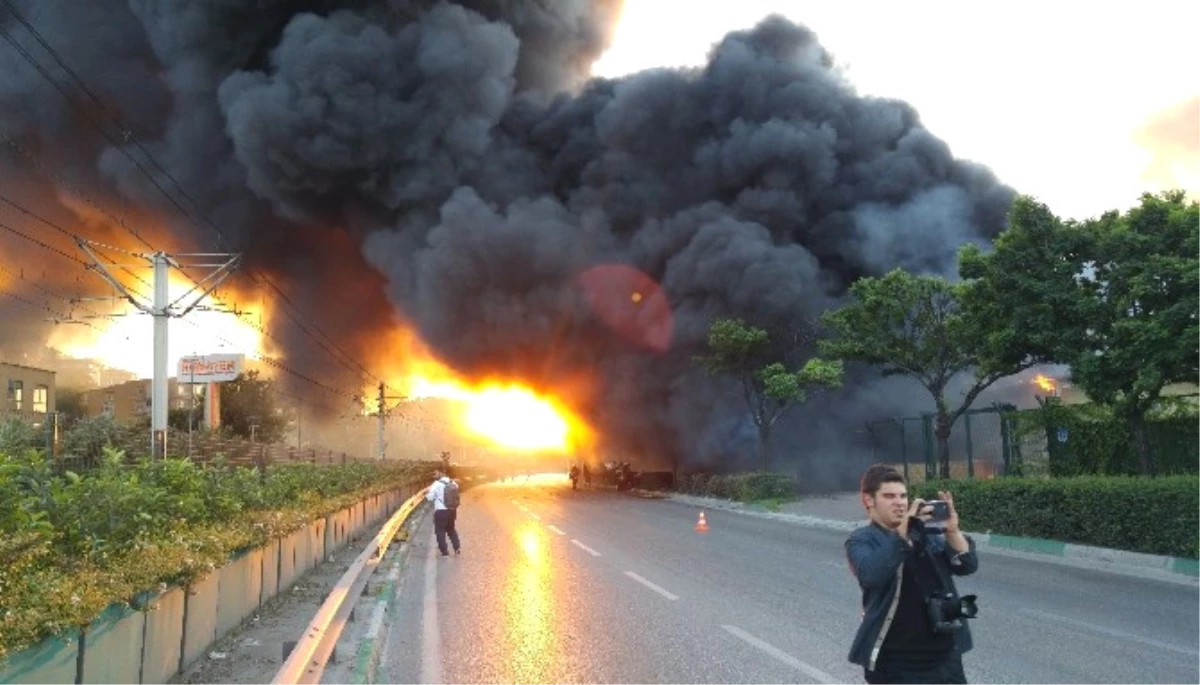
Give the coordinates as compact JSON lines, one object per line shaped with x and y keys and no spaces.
{"x":1044,"y":382}
{"x":631,"y":303}
{"x":508,"y":415}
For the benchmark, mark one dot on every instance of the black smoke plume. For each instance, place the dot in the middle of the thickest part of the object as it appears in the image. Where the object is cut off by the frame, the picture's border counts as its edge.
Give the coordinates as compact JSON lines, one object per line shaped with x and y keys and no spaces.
{"x":460,"y":149}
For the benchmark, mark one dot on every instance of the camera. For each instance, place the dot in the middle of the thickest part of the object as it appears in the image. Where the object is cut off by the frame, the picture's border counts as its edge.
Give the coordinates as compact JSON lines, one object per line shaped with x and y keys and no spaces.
{"x":940,"y":510}
{"x":947,"y":612}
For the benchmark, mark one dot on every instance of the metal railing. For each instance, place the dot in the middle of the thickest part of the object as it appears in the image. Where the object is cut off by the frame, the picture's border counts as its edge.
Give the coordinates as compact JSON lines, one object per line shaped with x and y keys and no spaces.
{"x":307,"y":661}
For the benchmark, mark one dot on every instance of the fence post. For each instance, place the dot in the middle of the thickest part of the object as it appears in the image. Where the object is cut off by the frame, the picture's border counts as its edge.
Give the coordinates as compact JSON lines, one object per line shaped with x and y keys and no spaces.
{"x":1006,"y":443}
{"x":927,"y":431}
{"x":970,"y":451}
{"x":903,"y":447}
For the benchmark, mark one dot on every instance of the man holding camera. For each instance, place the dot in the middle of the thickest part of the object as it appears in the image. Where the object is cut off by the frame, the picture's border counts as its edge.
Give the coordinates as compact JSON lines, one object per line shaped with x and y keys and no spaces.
{"x":913,"y":628}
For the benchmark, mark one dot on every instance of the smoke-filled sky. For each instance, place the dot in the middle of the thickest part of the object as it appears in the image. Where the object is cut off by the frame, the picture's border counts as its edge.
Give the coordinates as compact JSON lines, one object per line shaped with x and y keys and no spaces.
{"x":453,"y":162}
{"x":1040,"y":91}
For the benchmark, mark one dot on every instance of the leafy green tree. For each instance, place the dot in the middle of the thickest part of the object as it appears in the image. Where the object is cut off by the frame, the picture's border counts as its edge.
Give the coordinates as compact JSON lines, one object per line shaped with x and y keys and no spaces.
{"x":1025,"y":290}
{"x":249,"y":408}
{"x":1115,"y":298}
{"x":17,"y":436}
{"x":917,"y":326}
{"x":769,"y":387}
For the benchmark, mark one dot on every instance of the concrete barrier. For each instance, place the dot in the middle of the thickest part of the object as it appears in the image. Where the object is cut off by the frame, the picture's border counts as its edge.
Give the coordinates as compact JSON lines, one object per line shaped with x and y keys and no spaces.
{"x":113,"y":646}
{"x":163,"y":637}
{"x":53,"y":660}
{"x":178,"y":625}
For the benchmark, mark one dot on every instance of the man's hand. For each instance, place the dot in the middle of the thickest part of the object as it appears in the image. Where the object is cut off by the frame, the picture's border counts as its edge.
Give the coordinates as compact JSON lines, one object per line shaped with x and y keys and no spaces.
{"x":952,"y":521}
{"x":954,"y":536}
{"x":916,"y":509}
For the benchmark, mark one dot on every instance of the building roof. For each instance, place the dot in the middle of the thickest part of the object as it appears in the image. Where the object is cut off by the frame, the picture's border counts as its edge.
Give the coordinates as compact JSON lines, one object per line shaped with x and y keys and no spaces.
{"x":27,"y":368}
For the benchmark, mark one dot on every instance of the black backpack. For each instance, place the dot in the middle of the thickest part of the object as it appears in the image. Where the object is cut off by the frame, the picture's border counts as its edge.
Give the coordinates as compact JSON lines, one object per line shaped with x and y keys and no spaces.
{"x":450,"y":495}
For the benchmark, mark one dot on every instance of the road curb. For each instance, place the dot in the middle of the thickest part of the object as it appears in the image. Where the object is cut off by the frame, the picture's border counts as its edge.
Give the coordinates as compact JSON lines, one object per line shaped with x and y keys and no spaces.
{"x":370,"y":651}
{"x":1153,"y":566}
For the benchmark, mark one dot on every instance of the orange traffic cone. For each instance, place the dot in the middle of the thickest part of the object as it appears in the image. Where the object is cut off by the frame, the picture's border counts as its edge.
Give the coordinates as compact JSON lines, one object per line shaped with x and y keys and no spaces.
{"x":702,"y":525}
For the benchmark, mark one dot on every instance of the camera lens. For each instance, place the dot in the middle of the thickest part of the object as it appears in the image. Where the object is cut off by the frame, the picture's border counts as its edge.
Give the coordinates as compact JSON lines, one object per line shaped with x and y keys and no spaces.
{"x":967,"y":607}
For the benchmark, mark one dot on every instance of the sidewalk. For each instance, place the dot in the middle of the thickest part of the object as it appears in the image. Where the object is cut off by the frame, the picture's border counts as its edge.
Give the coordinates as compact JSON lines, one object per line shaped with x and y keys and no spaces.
{"x":844,"y":512}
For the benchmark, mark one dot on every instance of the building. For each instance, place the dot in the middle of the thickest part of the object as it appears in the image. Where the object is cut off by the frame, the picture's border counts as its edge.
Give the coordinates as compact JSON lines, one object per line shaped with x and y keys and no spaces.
{"x":79,"y":374}
{"x":129,"y":402}
{"x":29,"y":393}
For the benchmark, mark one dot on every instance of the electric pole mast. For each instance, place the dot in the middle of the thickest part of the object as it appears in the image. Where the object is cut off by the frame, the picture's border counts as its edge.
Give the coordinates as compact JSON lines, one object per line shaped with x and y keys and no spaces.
{"x":381,"y":444}
{"x":162,"y":309}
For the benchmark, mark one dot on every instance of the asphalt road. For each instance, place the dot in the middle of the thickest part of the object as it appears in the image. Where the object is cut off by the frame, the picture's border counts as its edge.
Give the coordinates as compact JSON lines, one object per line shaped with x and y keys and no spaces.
{"x":562,"y":586}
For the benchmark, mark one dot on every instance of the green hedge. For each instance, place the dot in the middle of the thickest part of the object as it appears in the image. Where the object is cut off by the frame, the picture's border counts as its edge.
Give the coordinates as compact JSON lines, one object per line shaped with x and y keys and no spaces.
{"x":1098,"y":443}
{"x":73,"y":544}
{"x":1152,"y":515}
{"x":743,"y":487}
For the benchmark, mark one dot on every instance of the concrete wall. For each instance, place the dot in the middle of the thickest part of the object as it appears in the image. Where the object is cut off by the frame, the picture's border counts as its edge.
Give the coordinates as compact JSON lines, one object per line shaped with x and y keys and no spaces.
{"x":179,"y":625}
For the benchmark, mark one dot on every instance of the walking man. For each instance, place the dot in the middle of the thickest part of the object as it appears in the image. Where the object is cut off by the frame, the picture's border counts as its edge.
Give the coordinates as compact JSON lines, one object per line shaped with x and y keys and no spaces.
{"x":444,"y":495}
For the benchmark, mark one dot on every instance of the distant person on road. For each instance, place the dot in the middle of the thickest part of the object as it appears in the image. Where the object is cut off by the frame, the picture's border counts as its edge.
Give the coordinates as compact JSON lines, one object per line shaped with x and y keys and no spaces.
{"x":444,"y":495}
{"x":574,"y":474}
{"x":913,"y":628}
{"x":587,"y":475}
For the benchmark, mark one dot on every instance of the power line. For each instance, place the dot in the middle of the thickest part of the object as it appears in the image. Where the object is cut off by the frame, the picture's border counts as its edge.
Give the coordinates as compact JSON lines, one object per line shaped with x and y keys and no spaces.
{"x":130,"y":137}
{"x":266,"y":359}
{"x":51,"y":224}
{"x":69,"y":318}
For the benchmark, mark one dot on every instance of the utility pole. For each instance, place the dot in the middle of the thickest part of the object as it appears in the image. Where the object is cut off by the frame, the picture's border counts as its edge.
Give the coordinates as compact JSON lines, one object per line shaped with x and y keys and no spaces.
{"x":192,"y":405}
{"x":162,"y":309}
{"x":381,"y":444}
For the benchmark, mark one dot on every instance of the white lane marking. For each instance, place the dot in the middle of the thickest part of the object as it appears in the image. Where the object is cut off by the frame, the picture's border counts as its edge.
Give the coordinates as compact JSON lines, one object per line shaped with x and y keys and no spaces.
{"x":431,"y":647}
{"x":652,"y":586}
{"x":522,"y":507}
{"x":584,"y":547}
{"x":1119,"y":634}
{"x":810,"y":670}
{"x":556,"y":529}
{"x":534,"y":516}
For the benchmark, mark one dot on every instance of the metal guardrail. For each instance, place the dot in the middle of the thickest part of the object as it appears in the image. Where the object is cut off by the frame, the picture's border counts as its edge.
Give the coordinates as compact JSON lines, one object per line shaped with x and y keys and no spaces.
{"x":307,"y":661}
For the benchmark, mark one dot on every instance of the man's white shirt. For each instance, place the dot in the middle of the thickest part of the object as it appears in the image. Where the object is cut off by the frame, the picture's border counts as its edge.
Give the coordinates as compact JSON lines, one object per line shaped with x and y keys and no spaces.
{"x":437,"y":493}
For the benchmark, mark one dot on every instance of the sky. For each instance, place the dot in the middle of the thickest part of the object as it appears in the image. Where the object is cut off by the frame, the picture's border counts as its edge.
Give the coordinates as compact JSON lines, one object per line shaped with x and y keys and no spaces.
{"x":1083,"y":106}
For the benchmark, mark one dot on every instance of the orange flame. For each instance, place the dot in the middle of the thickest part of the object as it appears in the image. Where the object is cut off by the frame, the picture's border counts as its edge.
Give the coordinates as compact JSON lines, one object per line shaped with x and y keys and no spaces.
{"x":502,"y":413}
{"x":1044,"y":382}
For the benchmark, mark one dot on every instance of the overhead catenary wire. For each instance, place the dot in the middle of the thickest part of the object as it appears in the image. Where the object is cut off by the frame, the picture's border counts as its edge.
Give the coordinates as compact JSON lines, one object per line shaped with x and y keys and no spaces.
{"x":274,"y":363}
{"x":291,"y":310}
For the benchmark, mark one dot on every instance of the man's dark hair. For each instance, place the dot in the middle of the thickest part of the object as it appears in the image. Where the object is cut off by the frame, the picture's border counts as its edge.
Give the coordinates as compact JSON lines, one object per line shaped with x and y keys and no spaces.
{"x":876,"y":476}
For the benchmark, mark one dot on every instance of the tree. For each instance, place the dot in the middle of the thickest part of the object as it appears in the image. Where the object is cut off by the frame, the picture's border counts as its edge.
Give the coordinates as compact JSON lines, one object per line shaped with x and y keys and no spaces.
{"x":248,"y":408}
{"x":69,"y":405}
{"x":769,"y":387}
{"x":917,"y":326}
{"x":1117,"y":302}
{"x":1025,"y":291}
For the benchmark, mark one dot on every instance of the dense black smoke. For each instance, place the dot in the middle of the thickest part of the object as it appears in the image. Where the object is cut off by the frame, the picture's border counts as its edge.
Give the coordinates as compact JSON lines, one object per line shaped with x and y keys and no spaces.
{"x":472,"y":163}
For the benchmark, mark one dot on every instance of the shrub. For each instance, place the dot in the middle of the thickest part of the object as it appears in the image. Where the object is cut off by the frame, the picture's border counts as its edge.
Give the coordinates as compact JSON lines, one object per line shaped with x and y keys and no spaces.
{"x":72,"y":544}
{"x":744,"y":487}
{"x":1152,"y":515}
{"x":763,"y":485}
{"x":1099,"y":443}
